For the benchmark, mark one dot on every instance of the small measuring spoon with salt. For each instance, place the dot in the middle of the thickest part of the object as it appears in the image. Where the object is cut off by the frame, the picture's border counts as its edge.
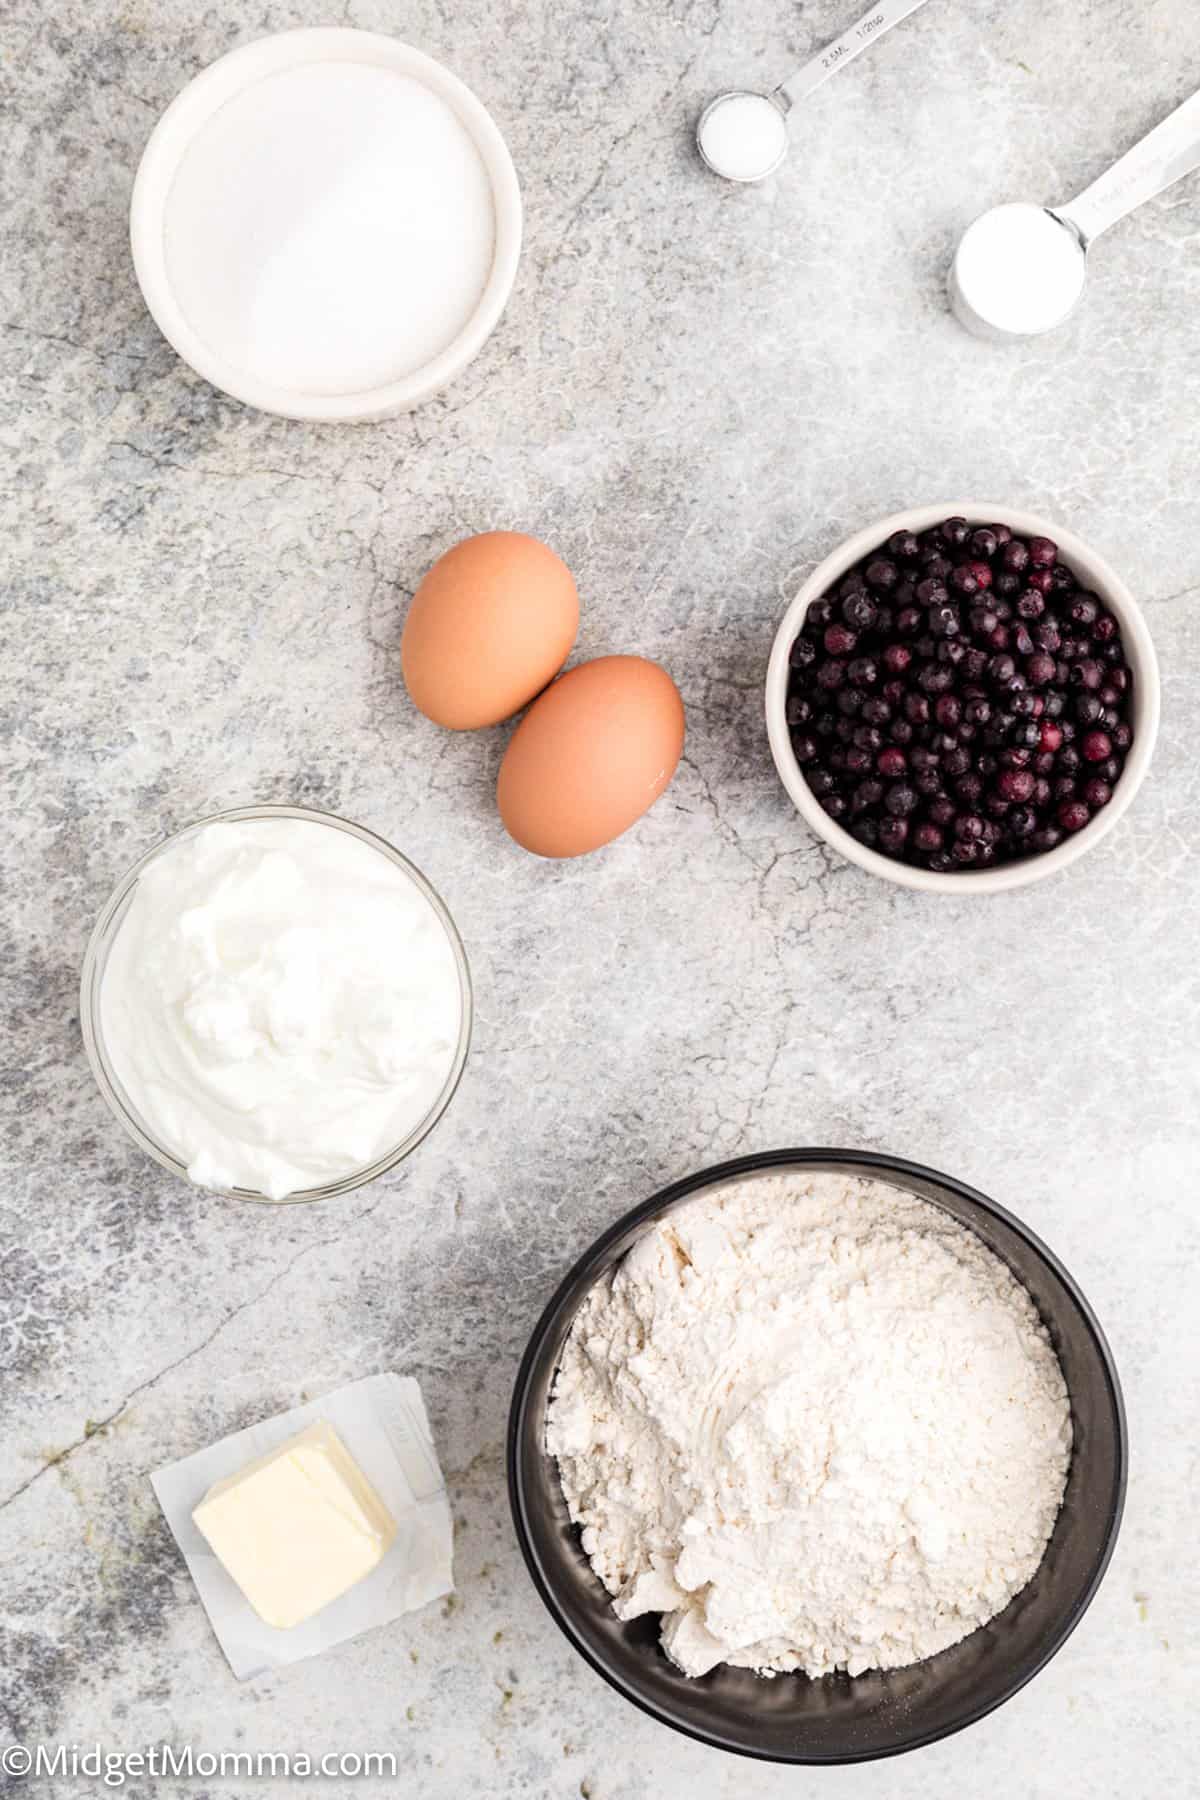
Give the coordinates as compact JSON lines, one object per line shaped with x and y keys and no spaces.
{"x":1021,"y":269}
{"x":744,"y":136}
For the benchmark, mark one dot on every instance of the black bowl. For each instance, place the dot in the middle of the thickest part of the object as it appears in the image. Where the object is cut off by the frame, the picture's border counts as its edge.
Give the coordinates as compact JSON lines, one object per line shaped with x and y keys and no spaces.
{"x":836,"y":1719}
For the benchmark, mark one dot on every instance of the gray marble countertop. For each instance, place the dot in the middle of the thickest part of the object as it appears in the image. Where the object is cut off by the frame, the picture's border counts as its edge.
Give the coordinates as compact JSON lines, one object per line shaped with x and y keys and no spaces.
{"x":696,"y":392}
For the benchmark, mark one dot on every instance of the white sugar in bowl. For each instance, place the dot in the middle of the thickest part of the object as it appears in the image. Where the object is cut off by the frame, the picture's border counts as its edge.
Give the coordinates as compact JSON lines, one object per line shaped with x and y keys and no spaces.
{"x":326,"y":224}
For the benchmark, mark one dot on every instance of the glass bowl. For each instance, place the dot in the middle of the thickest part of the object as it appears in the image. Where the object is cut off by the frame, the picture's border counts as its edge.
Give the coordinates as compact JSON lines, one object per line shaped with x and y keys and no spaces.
{"x":96,"y":959}
{"x":838,"y":1719}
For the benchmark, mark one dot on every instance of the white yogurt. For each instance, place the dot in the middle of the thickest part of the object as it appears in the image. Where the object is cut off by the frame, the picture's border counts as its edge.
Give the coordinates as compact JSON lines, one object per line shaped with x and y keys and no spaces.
{"x":281,"y":1004}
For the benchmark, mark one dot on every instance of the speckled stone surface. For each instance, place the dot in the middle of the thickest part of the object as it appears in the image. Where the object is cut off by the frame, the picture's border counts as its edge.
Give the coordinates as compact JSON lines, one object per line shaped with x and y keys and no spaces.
{"x":696,"y":392}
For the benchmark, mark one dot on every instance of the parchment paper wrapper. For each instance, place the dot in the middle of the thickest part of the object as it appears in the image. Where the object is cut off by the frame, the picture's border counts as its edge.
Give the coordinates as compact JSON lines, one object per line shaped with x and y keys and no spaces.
{"x":383,"y":1423}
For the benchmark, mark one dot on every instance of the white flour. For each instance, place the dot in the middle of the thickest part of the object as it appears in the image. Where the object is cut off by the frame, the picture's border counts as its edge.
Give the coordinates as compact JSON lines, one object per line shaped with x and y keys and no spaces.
{"x":813,"y":1422}
{"x":1018,"y":271}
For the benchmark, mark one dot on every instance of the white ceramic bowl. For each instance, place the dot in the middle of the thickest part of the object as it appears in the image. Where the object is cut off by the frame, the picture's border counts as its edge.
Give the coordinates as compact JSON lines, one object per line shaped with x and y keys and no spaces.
{"x":1094,"y":573}
{"x":203,"y":98}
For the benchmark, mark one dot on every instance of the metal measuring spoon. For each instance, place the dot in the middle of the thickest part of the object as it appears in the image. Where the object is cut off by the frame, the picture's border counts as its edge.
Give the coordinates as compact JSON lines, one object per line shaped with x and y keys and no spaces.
{"x":744,"y":136}
{"x":1021,"y":269}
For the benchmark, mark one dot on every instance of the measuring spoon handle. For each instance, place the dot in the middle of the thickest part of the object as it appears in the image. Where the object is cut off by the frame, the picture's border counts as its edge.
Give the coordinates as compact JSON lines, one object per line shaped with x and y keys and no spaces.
{"x":1163,"y":157}
{"x":873,"y":24}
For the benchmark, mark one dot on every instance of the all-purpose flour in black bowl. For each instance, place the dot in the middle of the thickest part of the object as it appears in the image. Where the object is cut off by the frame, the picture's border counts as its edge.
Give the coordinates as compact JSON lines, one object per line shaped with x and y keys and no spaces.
{"x":849,"y":1530}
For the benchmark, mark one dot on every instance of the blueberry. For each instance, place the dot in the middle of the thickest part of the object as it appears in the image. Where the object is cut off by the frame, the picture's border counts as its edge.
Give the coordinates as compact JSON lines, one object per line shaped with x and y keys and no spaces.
{"x":881,"y":573}
{"x":905,"y":545}
{"x":859,"y":611}
{"x":1016,"y":784}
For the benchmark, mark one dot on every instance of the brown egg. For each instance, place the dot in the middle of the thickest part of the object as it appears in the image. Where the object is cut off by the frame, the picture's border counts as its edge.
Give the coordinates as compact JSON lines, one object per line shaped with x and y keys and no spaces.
{"x":590,"y":756}
{"x":490,"y":625}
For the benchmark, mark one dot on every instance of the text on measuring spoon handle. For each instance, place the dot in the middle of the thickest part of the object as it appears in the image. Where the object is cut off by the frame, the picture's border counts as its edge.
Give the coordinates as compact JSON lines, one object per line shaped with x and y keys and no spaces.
{"x":844,"y":49}
{"x":1163,"y":157}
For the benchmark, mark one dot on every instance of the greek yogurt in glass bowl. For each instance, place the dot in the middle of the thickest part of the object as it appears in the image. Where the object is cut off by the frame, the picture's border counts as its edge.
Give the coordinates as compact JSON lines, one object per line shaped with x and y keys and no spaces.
{"x":276,"y":1004}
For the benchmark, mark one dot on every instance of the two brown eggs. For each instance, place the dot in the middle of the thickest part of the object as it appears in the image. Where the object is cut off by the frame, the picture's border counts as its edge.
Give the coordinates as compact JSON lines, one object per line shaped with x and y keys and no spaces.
{"x":489,"y":629}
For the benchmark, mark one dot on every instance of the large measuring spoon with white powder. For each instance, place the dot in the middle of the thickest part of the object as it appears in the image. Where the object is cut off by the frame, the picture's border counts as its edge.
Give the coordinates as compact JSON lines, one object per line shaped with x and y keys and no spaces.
{"x":1021,"y":269}
{"x":744,"y":136}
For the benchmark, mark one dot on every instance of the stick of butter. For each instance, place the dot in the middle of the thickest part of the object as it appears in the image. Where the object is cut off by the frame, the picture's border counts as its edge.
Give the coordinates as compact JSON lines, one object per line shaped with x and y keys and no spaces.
{"x":298,"y":1527}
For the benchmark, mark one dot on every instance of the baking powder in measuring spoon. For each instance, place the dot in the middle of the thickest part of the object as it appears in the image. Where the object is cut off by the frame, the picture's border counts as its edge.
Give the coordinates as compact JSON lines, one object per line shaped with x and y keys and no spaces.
{"x":1018,"y":271}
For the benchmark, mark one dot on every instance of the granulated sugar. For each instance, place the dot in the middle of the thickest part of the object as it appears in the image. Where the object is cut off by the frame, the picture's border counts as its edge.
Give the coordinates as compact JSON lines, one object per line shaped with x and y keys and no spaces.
{"x":331,"y":228}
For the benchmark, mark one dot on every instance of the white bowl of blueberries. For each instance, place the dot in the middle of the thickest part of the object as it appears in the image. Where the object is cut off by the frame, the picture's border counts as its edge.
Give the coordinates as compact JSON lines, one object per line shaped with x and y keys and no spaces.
{"x":963,"y":699}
